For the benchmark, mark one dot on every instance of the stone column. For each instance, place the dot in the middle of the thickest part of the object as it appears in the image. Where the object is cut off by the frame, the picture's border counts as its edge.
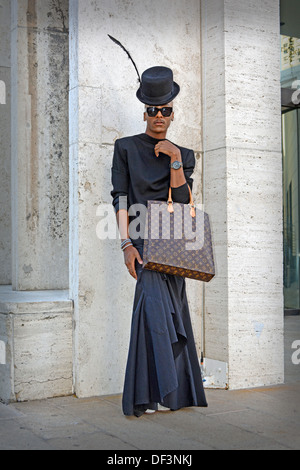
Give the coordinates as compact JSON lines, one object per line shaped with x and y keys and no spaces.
{"x":40,"y":144}
{"x":5,"y":170}
{"x":35,"y":311}
{"x":103,"y":107}
{"x":243,"y":191}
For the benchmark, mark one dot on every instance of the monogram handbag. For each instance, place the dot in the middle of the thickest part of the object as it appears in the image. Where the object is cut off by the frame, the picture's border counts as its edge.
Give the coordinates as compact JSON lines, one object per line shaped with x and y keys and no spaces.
{"x":178,"y":240}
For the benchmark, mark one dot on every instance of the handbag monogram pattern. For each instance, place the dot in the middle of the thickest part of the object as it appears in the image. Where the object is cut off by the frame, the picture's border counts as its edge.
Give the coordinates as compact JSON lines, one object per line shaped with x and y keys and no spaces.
{"x":178,"y":254}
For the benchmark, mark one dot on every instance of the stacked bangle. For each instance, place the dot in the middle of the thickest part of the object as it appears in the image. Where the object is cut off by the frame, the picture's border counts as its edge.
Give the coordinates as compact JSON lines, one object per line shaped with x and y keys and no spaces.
{"x":126,"y":243}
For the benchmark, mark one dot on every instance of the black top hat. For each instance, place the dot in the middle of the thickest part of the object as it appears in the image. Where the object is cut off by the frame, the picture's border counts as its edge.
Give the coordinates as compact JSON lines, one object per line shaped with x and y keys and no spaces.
{"x":157,"y":86}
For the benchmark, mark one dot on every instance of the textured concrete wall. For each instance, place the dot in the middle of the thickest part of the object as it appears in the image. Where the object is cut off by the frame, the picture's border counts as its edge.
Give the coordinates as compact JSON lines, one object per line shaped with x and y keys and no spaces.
{"x":40,"y":144}
{"x":243,"y":188}
{"x":5,"y":170}
{"x":103,"y":107}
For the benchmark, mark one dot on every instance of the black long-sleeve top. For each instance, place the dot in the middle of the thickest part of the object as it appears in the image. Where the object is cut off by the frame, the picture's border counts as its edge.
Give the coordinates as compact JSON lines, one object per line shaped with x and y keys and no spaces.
{"x":141,"y":176}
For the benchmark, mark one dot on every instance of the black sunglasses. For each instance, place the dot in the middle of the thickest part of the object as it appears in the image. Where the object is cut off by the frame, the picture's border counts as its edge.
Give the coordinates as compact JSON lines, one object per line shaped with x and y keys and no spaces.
{"x":152,"y":111}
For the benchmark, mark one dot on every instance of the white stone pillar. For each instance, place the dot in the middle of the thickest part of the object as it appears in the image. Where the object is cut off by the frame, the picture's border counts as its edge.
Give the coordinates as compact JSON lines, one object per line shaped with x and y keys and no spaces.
{"x":40,"y":144}
{"x":5,"y":170}
{"x":243,"y":190}
{"x":36,"y":325}
{"x":103,"y":107}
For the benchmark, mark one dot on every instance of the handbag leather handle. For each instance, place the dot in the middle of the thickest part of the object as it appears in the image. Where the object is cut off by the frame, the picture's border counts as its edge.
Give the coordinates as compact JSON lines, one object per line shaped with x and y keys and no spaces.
{"x":191,"y":203}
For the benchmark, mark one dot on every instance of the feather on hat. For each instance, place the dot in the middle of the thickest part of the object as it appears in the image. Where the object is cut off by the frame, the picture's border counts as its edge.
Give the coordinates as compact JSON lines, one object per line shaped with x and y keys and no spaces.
{"x":157,"y":86}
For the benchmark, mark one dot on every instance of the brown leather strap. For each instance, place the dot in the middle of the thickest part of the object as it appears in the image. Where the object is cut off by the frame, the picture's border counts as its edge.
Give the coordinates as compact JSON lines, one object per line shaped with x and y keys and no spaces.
{"x":170,"y":202}
{"x":192,"y":205}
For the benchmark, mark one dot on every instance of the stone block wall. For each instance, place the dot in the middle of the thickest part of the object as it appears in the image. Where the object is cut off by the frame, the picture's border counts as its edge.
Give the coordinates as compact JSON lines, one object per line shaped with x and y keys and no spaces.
{"x":5,"y":144}
{"x":40,"y":158}
{"x":36,"y":333}
{"x":104,"y":107}
{"x":66,"y":117}
{"x":243,"y":189}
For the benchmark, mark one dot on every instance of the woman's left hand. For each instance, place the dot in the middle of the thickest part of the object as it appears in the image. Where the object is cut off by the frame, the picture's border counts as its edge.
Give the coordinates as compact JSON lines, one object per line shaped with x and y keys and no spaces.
{"x":166,"y":147}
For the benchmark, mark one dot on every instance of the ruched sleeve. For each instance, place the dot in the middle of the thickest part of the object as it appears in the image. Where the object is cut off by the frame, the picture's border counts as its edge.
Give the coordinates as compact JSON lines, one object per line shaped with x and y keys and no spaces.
{"x":119,"y":177}
{"x":181,"y":194}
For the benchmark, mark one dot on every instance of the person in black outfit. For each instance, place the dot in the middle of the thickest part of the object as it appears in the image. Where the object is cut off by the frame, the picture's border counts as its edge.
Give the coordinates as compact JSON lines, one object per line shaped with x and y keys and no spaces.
{"x":162,"y":367}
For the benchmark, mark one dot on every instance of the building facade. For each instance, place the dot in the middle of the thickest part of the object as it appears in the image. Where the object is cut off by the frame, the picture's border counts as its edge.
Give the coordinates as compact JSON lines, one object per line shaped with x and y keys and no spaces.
{"x":67,"y":93}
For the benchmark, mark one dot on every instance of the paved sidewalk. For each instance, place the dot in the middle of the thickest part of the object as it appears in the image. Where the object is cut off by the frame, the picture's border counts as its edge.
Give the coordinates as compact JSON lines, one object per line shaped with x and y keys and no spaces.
{"x":262,"y":419}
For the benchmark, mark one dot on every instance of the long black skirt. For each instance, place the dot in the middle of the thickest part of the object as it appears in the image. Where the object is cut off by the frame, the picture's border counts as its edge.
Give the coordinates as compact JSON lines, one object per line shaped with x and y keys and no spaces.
{"x":162,"y":365}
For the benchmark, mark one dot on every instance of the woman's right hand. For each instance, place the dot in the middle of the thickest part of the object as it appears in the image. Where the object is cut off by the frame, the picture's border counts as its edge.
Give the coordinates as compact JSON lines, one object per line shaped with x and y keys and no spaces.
{"x":130,"y":255}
